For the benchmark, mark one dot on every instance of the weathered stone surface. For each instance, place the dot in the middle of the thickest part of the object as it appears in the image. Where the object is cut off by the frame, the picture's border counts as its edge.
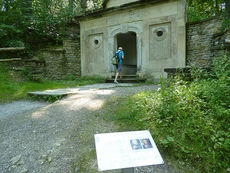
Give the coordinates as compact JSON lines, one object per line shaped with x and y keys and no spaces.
{"x":204,"y":41}
{"x":158,"y":30}
{"x":73,"y":57}
{"x":55,"y":64}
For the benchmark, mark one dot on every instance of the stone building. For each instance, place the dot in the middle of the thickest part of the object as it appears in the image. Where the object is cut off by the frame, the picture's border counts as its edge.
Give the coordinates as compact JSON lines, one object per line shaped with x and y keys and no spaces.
{"x":151,"y":32}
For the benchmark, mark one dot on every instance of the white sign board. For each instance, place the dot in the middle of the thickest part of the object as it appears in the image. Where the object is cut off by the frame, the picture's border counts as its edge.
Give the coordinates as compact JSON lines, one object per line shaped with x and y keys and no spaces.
{"x":126,"y":150}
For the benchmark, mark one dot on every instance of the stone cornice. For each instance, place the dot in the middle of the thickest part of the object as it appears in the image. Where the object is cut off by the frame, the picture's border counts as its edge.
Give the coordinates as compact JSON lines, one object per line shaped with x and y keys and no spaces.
{"x":103,"y":11}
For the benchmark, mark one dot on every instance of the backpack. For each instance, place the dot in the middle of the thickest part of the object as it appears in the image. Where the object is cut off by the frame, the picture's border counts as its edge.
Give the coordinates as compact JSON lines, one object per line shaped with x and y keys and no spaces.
{"x":115,"y":58}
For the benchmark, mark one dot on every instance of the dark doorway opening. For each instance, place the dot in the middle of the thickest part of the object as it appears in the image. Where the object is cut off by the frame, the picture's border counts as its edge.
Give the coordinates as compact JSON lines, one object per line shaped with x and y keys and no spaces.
{"x":128,"y":42}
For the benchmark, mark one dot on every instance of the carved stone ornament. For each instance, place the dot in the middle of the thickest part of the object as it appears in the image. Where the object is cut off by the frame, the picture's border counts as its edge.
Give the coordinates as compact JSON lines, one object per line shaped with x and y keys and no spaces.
{"x":96,"y":41}
{"x":134,"y":15}
{"x":124,"y":28}
{"x":160,"y":33}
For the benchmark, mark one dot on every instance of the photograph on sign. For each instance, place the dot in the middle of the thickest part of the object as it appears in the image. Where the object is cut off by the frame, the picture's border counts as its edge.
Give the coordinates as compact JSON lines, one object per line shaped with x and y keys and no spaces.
{"x":126,"y":150}
{"x":146,"y":143}
{"x":138,"y":144}
{"x":135,"y":144}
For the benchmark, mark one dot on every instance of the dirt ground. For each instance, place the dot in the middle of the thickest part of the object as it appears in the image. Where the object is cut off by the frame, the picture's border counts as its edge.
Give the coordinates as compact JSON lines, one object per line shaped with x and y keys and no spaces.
{"x":37,"y":137}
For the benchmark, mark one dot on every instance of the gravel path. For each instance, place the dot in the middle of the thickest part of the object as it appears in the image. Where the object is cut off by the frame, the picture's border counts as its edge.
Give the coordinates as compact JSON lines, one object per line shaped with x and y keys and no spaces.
{"x":38,"y":137}
{"x":18,"y":107}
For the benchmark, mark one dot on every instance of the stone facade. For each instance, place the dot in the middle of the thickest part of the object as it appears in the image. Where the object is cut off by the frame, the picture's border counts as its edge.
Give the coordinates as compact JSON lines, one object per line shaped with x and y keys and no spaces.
{"x":115,"y":3}
{"x":204,"y":41}
{"x":100,"y":37}
{"x":152,"y":34}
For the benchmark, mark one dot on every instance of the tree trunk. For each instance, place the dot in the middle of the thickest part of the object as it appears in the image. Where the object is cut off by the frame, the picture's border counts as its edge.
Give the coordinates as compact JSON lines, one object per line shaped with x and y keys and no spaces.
{"x":84,"y":5}
{"x":6,"y":5}
{"x":26,"y":7}
{"x":227,"y":4}
{"x":71,"y":5}
{"x":217,"y":7}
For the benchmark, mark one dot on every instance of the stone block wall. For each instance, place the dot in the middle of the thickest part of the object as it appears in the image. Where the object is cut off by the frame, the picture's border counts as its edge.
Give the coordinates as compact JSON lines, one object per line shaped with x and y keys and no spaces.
{"x":61,"y":62}
{"x":55,"y":63}
{"x":219,"y":43}
{"x":205,"y":40}
{"x":73,"y":56}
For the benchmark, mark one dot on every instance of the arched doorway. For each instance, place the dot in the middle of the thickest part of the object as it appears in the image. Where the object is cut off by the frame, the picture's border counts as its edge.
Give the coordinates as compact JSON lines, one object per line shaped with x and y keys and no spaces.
{"x":128,"y":41}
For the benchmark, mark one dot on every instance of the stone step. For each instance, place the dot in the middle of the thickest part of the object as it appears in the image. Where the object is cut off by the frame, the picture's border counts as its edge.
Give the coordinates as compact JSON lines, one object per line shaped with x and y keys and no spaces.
{"x":126,"y":76}
{"x":127,"y":80}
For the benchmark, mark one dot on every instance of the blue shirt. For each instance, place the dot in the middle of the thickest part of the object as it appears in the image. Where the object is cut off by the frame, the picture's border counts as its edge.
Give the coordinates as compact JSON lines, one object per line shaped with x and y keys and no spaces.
{"x":120,"y":55}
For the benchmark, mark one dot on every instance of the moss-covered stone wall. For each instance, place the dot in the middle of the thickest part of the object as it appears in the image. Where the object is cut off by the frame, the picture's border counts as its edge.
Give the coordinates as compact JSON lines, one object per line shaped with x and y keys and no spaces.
{"x":205,"y":39}
{"x":60,"y":62}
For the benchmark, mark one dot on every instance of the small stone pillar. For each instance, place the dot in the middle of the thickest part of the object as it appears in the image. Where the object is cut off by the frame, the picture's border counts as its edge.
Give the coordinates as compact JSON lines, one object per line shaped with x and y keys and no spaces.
{"x":71,"y":46}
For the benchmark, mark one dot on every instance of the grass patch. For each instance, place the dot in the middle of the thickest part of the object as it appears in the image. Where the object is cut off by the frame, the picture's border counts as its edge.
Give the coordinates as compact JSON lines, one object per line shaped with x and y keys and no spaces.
{"x":10,"y":89}
{"x":189,"y":121}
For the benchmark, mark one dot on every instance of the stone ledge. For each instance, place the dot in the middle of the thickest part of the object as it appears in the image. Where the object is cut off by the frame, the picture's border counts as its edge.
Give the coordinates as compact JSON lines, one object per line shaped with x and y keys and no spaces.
{"x":12,"y":49}
{"x":11,"y":59}
{"x":54,"y":50}
{"x":186,"y":70}
{"x":178,"y":70}
{"x":188,"y":24}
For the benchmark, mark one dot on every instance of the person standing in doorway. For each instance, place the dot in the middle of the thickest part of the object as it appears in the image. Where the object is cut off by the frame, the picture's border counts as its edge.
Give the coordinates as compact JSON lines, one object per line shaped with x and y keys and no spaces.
{"x":121,"y":57}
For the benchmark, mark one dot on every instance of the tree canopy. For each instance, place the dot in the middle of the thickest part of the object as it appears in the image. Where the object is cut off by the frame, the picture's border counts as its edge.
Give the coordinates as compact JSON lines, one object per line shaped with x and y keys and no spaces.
{"x":201,"y":9}
{"x":23,"y":21}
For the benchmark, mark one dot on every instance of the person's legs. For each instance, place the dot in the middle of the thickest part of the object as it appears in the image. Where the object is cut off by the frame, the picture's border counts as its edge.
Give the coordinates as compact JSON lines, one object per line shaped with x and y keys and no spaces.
{"x":118,"y":72}
{"x":115,"y":80}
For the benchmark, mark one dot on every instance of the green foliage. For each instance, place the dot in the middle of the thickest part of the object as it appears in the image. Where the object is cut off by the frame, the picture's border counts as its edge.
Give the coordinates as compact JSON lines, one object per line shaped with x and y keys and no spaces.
{"x":226,"y":23}
{"x":26,"y":21}
{"x":49,"y":99}
{"x":188,"y":120}
{"x":201,"y":9}
{"x":10,"y":36}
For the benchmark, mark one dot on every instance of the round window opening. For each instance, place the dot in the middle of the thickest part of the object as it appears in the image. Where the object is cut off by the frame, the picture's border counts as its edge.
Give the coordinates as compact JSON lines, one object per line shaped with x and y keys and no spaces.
{"x":96,"y":42}
{"x":160,"y":33}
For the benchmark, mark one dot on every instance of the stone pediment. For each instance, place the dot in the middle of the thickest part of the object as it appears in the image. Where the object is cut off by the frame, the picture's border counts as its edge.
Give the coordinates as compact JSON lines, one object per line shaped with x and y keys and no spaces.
{"x":116,"y":3}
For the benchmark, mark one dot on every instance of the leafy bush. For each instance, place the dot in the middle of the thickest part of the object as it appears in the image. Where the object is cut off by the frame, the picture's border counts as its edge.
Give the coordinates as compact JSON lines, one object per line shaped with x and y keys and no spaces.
{"x":198,"y":10}
{"x":37,"y":21}
{"x":189,"y":120}
{"x":10,"y":36}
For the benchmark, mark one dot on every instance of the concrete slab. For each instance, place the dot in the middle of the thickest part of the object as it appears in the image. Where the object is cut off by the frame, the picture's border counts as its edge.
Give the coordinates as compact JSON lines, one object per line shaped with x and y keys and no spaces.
{"x":69,"y":91}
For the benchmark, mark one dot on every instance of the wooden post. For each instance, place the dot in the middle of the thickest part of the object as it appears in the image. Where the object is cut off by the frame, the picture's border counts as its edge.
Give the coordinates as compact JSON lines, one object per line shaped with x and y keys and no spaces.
{"x":12,"y":59}
{"x":12,"y":49}
{"x":227,"y":41}
{"x":227,"y":6}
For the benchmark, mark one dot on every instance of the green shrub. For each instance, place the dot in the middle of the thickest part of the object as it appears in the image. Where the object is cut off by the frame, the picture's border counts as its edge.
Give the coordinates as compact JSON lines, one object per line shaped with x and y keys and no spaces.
{"x":189,"y":120}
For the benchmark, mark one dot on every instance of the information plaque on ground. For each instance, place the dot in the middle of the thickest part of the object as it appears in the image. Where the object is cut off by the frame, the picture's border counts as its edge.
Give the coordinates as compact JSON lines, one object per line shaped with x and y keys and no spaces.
{"x":126,"y":150}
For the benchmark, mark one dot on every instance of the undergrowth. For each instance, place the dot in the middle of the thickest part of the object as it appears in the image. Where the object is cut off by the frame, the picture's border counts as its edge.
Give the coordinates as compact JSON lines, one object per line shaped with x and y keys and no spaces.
{"x":12,"y":89}
{"x":188,"y":120}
